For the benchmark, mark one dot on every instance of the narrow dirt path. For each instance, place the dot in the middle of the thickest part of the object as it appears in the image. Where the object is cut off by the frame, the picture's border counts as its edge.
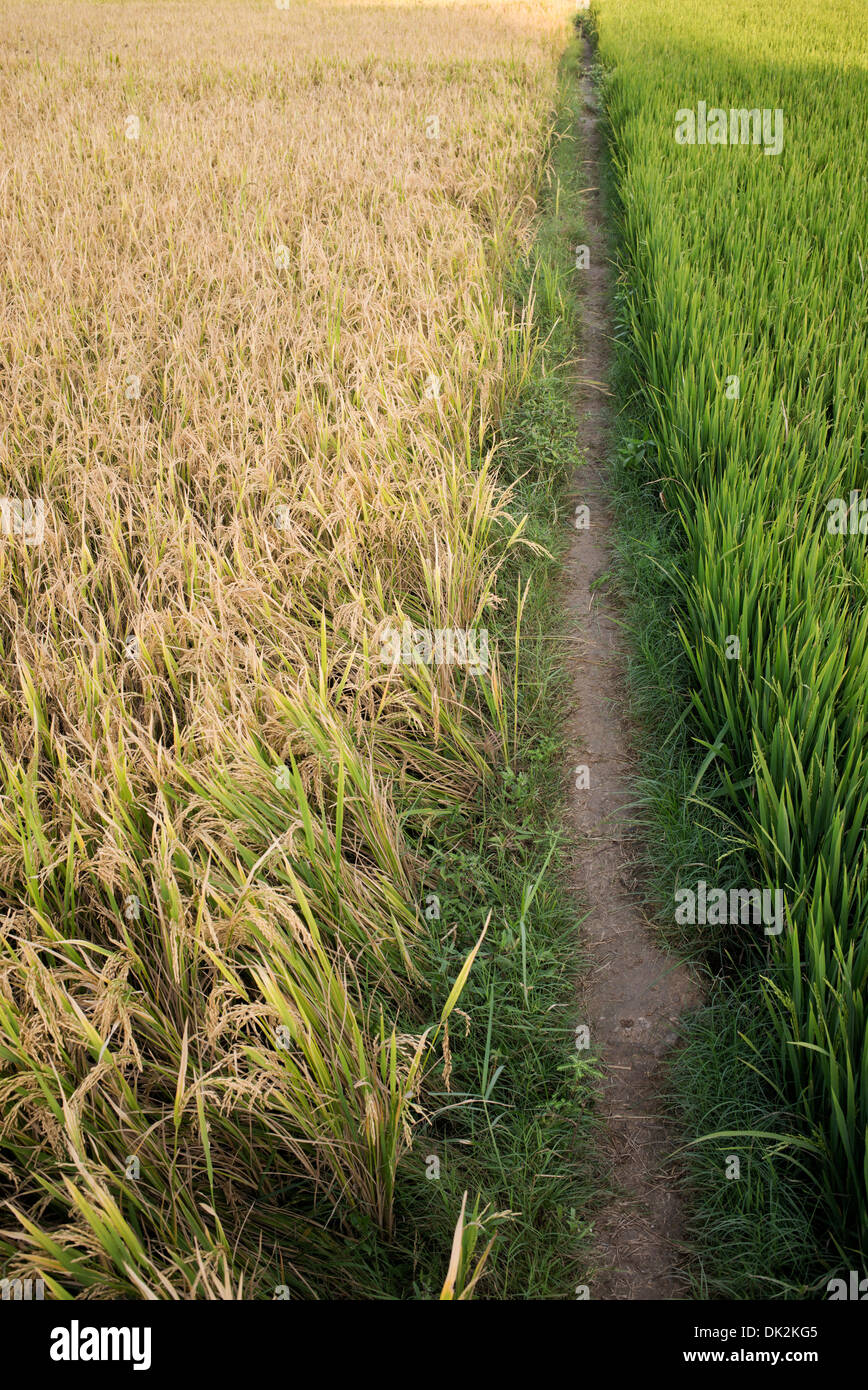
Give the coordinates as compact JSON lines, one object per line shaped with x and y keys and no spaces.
{"x":634,"y":992}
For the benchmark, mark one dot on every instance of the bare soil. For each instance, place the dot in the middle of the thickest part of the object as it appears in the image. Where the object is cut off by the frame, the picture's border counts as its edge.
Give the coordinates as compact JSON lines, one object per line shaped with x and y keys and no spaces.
{"x":635,"y":991}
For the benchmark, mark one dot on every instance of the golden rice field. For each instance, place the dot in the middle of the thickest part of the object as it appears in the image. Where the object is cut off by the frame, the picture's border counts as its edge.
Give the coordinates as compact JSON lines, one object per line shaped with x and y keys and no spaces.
{"x":253,"y":340}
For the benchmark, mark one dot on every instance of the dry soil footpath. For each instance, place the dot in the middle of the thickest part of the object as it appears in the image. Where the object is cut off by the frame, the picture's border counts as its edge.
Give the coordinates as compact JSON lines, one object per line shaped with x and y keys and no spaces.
{"x":634,"y":991}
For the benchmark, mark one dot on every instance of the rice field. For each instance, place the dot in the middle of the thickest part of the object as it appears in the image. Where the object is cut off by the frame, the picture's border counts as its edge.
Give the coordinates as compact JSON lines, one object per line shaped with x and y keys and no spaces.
{"x":743,"y":313}
{"x":254,"y":350}
{"x":290,"y":338}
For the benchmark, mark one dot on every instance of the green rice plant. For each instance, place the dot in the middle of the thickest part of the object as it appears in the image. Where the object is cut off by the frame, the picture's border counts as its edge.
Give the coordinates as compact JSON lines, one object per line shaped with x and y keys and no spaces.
{"x":462,"y":1274}
{"x":726,"y":272}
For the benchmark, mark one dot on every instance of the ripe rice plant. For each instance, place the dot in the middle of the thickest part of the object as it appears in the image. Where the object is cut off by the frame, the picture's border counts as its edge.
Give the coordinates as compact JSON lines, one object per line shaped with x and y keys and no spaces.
{"x":253,"y":346}
{"x":743,"y":294}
